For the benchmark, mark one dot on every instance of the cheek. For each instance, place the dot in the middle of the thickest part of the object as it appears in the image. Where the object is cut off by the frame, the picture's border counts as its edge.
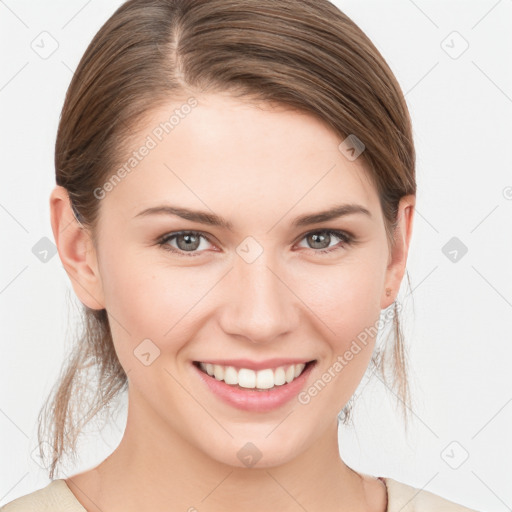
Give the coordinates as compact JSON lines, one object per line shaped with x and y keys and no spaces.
{"x":346,"y":301}
{"x":345,"y":297}
{"x":144,"y":300}
{"x":148,"y":299}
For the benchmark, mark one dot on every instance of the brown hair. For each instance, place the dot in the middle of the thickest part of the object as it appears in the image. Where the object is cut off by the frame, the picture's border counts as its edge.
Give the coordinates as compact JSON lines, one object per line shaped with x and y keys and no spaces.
{"x":305,"y":54}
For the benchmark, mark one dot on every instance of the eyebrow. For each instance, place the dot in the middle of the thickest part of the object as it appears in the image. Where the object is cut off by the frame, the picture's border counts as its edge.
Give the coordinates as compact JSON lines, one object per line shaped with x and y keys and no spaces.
{"x":212,"y":219}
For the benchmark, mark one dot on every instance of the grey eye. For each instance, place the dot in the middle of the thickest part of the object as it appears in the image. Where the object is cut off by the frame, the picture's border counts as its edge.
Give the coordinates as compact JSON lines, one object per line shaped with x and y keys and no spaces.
{"x":319,"y":240}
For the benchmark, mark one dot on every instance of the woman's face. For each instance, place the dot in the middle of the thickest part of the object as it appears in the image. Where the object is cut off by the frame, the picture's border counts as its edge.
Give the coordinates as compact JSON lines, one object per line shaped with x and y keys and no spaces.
{"x":250,"y":287}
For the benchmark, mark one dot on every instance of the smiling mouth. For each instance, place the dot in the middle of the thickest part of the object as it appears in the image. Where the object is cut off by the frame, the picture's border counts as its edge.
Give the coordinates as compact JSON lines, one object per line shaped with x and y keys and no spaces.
{"x":246,"y":378}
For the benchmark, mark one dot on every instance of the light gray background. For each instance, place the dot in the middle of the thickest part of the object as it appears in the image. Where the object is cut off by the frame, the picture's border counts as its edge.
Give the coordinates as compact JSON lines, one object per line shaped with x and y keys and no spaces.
{"x":459,"y":330}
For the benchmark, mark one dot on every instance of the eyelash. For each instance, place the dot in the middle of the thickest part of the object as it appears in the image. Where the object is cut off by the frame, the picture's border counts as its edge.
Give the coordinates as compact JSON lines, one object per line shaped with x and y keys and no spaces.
{"x":345,"y":238}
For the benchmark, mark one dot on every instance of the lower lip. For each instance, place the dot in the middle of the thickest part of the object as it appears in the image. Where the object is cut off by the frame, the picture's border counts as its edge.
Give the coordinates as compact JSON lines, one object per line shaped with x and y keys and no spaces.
{"x":253,"y":399}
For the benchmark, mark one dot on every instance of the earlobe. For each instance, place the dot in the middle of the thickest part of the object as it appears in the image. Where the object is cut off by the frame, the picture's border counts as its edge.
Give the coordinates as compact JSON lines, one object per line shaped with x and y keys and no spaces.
{"x":76,"y":250}
{"x":398,"y":260}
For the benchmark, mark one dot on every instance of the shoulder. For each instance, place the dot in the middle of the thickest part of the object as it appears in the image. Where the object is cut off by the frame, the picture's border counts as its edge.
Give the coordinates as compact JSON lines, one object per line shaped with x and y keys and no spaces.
{"x":405,"y":498}
{"x":55,"y":497}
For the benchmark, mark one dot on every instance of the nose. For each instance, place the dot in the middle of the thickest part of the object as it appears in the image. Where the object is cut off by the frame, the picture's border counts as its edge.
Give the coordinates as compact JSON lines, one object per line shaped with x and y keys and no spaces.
{"x":259,"y":303}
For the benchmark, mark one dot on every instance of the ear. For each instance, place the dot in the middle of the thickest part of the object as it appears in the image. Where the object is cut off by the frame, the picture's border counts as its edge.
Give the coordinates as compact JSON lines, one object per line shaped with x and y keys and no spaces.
{"x":398,"y":254}
{"x":76,"y":250}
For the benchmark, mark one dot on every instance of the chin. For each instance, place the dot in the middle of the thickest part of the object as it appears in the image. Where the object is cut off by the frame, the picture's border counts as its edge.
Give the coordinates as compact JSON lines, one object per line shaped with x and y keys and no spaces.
{"x":262,"y":452}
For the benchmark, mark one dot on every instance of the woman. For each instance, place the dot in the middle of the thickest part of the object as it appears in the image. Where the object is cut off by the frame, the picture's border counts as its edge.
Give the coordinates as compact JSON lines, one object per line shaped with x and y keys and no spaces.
{"x":234,"y":208}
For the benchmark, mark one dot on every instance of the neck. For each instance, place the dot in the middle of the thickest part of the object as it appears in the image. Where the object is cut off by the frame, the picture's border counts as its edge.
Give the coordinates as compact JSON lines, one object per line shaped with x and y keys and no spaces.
{"x":155,"y":468}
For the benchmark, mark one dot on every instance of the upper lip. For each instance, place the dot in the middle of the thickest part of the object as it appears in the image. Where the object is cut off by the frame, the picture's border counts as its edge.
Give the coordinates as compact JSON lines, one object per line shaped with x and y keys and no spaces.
{"x":256,"y":365}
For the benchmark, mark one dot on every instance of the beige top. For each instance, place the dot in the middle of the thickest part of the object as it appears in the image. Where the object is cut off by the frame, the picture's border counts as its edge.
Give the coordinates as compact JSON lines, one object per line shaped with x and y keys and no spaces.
{"x":57,"y":497}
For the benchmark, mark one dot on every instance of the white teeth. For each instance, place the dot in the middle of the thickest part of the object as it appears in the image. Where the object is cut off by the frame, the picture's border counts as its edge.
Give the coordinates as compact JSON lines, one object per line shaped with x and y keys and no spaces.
{"x":231,"y":376}
{"x":290,"y":373}
{"x":218,"y":371}
{"x":265,"y":379}
{"x":298,"y":369}
{"x":279,"y":376}
{"x":246,"y":378}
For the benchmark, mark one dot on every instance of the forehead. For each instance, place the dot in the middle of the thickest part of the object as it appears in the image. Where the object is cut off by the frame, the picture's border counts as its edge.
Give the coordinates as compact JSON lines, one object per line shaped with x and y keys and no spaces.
{"x":227,"y":154}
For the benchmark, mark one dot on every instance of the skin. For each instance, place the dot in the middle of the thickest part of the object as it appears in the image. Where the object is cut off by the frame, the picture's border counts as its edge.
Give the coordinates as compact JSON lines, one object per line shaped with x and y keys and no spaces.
{"x":259,"y":167}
